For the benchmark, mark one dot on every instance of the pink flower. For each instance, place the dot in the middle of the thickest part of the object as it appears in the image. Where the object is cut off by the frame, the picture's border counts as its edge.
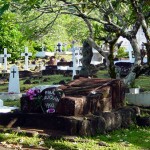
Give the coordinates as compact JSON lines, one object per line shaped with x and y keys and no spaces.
{"x":32,"y":93}
{"x":50,"y":110}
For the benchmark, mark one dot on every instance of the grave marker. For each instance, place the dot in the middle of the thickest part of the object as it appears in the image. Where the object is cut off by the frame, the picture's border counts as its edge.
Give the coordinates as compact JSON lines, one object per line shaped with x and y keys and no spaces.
{"x":14,"y":86}
{"x":5,"y":55}
{"x":59,"y":47}
{"x":51,"y":97}
{"x":26,"y":55}
{"x":73,"y":60}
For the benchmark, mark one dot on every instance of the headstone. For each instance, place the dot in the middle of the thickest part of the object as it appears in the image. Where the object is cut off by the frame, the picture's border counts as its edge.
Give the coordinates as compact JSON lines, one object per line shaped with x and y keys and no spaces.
{"x":1,"y":103}
{"x":42,"y":99}
{"x":73,"y":60}
{"x":5,"y":55}
{"x":51,"y":97}
{"x":78,"y":57}
{"x":14,"y":86}
{"x":26,"y":55}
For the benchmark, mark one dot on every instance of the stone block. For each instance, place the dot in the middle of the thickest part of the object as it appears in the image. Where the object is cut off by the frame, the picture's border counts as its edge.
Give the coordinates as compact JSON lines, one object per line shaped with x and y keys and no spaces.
{"x":71,"y":106}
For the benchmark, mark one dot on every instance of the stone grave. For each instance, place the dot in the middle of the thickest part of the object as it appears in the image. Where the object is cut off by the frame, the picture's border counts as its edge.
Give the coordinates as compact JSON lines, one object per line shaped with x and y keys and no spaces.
{"x":82,"y":96}
{"x":14,"y":85}
{"x":51,"y":68}
{"x":82,"y":107}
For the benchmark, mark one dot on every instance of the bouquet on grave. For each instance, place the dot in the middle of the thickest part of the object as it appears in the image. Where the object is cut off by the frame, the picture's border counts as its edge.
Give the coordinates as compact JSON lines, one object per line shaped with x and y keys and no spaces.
{"x":35,"y":97}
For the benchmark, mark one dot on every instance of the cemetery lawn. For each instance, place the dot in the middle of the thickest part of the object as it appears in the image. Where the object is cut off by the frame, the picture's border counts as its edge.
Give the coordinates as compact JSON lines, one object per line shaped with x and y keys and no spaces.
{"x":133,"y":138}
{"x":124,"y":139}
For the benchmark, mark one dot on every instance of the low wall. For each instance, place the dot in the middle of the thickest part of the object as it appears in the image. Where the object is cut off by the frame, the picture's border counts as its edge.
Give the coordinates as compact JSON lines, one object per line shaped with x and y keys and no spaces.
{"x":141,"y":99}
{"x":9,"y":96}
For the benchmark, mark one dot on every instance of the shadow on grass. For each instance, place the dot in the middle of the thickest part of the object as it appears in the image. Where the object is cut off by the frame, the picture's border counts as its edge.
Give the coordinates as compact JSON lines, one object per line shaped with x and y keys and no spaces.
{"x":135,"y":137}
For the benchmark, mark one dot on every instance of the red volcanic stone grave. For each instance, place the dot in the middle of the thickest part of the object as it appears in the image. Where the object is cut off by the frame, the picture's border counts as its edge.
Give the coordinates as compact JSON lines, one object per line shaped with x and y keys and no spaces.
{"x":81,"y":96}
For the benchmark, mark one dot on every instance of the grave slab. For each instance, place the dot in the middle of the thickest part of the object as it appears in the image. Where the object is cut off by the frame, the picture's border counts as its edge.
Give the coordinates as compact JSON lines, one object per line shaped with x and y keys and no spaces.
{"x":14,"y":85}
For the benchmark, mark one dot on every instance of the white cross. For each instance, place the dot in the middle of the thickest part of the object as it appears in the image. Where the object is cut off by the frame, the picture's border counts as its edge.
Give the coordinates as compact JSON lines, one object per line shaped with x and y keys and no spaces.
{"x":26,"y":55}
{"x":73,"y":60}
{"x":78,"y":57}
{"x":5,"y":55}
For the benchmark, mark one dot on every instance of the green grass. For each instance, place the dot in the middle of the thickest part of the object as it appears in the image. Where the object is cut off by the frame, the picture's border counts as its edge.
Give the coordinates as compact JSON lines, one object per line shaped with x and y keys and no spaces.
{"x":12,"y":103}
{"x":143,"y":82}
{"x":134,"y":138}
{"x":51,"y":79}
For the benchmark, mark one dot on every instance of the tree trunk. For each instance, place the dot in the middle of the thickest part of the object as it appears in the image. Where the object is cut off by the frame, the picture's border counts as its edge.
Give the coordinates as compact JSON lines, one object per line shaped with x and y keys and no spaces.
{"x":111,"y":67}
{"x":132,"y":75}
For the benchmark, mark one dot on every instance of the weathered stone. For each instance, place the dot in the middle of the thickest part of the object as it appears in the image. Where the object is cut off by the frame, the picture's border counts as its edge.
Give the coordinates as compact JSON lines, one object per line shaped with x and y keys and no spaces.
{"x":71,"y":106}
{"x":128,"y":115}
{"x":113,"y":120}
{"x":143,"y":121}
{"x":85,"y":127}
{"x":101,"y":125}
{"x":96,"y":103}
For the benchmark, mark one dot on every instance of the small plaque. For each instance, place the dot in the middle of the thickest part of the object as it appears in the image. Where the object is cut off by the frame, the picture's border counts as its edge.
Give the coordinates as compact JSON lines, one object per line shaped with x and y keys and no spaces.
{"x":50,"y":98}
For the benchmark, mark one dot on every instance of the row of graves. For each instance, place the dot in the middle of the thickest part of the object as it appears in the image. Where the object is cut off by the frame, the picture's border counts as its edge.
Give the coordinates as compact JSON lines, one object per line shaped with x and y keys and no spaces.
{"x":50,"y":65}
{"x":84,"y":106}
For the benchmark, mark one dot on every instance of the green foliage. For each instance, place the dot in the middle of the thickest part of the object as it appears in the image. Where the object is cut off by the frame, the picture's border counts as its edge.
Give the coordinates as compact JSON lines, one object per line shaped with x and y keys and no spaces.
{"x":121,"y":53}
{"x":10,"y":35}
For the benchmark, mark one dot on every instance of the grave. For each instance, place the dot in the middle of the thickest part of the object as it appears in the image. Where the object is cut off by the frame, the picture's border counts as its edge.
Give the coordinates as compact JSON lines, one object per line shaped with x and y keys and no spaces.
{"x":5,"y":56}
{"x":25,"y":72}
{"x":13,"y":86}
{"x":26,"y":55}
{"x":14,"y":80}
{"x":42,"y":99}
{"x":82,"y":107}
{"x":6,"y":109}
{"x":51,"y":68}
{"x":82,"y":96}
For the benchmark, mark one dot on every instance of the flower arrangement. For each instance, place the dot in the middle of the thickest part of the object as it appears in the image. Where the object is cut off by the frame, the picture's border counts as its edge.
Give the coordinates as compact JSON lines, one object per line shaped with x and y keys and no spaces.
{"x":35,"y":96}
{"x":45,"y":100}
{"x":32,"y":93}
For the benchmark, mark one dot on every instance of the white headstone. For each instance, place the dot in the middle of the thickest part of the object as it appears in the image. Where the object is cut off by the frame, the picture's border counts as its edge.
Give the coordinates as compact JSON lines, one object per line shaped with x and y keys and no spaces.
{"x":26,"y":55}
{"x":78,"y":57}
{"x":1,"y":103}
{"x":14,"y":86}
{"x":5,"y":55}
{"x":73,"y":60}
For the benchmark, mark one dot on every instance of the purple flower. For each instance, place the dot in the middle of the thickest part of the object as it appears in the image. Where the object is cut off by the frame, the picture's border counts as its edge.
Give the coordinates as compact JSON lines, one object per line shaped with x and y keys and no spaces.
{"x":32,"y":93}
{"x":50,"y":110}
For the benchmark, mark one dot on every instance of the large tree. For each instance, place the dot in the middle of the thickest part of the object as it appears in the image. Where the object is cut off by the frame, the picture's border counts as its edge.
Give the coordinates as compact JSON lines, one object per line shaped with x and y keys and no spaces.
{"x":116,"y":17}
